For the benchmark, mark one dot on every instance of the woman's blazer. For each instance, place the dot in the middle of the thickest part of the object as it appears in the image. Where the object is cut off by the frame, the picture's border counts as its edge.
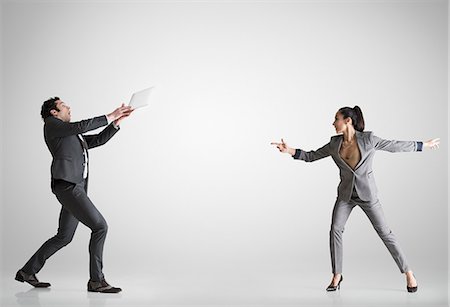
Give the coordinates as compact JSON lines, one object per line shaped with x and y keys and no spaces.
{"x":361,"y":178}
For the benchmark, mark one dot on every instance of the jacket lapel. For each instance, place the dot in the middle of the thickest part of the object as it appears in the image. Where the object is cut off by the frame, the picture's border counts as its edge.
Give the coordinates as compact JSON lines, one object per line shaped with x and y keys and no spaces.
{"x":362,"y":150}
{"x":339,"y":158}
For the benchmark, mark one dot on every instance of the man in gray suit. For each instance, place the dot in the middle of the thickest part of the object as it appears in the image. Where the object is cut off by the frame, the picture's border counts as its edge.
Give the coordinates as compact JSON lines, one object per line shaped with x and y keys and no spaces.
{"x":69,"y":182}
{"x":353,"y":151}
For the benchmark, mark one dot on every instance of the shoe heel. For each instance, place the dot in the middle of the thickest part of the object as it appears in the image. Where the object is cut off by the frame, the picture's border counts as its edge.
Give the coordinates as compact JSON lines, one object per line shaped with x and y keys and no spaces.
{"x":412,"y":289}
{"x":337,"y":287}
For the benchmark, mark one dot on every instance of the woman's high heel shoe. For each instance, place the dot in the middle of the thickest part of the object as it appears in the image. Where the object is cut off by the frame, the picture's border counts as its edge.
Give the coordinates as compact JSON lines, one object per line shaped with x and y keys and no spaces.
{"x":412,"y":289}
{"x":338,"y":286}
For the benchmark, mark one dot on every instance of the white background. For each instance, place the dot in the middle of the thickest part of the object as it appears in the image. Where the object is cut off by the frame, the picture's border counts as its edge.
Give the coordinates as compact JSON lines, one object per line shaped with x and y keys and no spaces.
{"x":190,"y":187}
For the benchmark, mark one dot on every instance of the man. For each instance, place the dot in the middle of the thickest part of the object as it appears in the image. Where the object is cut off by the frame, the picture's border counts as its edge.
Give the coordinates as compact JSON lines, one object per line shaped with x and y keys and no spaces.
{"x":69,"y":181}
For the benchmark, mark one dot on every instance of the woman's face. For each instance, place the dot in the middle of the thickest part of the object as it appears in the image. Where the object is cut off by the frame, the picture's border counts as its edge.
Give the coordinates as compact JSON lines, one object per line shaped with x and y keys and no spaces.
{"x":340,"y":124}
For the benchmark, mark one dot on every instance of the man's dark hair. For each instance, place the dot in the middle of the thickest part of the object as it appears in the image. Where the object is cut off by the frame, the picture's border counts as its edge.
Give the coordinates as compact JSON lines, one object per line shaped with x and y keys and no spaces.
{"x":47,"y":106}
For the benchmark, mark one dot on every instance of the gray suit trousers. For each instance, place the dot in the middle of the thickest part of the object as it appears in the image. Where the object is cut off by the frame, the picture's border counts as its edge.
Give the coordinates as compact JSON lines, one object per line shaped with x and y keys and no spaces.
{"x":76,"y":207}
{"x":374,"y":212}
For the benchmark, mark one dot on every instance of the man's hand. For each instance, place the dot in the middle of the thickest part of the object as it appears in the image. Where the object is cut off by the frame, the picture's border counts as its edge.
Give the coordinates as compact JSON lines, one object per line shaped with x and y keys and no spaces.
{"x":117,"y":121}
{"x":282,"y":147}
{"x":122,"y":111}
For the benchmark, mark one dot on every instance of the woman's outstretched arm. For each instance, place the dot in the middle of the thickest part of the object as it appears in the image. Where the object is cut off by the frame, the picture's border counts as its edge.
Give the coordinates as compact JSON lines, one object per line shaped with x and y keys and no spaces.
{"x":284,"y":148}
{"x":307,"y":156}
{"x":403,"y":146}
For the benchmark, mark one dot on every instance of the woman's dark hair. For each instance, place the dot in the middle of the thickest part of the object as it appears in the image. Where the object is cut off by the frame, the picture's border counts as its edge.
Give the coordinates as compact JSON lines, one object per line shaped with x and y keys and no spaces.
{"x":47,"y":106}
{"x":356,"y":115}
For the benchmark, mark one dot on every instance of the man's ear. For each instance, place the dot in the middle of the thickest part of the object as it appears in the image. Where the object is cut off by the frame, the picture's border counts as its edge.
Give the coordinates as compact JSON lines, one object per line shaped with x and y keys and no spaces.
{"x":53,"y":112}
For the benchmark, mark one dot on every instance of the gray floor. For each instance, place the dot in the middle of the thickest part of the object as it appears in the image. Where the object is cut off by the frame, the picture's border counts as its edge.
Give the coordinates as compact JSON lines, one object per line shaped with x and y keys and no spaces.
{"x":198,"y":291}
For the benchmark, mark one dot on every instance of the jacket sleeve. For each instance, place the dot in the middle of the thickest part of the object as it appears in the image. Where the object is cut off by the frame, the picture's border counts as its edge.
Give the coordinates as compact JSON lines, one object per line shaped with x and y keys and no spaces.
{"x":95,"y":140}
{"x":313,"y":155}
{"x":57,"y":128}
{"x":395,"y":146}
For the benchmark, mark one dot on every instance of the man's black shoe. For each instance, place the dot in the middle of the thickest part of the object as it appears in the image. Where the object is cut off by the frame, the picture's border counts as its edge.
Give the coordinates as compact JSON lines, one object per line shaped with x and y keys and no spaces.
{"x":102,"y":287}
{"x":31,"y":279}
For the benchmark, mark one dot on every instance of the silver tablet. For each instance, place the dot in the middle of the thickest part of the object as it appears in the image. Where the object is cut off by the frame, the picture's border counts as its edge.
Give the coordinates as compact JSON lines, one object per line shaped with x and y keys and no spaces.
{"x":140,"y":99}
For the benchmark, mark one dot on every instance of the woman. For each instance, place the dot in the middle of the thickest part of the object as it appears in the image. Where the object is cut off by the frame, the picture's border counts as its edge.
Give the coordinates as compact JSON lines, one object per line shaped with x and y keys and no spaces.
{"x":353,"y":150}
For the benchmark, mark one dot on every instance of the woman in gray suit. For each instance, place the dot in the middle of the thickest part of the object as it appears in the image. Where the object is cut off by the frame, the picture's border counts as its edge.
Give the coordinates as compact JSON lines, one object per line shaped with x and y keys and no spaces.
{"x":353,"y":150}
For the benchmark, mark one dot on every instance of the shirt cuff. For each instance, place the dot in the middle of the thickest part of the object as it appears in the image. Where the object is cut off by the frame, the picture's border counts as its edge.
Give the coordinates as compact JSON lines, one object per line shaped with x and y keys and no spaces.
{"x":111,"y":121}
{"x":297,"y":154}
{"x":419,"y":146}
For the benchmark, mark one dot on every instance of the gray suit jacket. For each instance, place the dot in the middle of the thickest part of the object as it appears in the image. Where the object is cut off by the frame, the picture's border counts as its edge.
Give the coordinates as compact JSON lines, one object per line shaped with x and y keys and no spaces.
{"x":362,"y":176}
{"x":66,"y":147}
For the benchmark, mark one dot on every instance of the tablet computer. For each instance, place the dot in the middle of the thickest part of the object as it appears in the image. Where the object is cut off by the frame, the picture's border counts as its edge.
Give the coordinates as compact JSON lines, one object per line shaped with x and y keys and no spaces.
{"x":140,"y":99}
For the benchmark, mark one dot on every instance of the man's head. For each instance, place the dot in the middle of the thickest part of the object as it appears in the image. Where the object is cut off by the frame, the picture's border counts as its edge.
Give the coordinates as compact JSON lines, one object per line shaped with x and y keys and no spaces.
{"x":56,"y":108}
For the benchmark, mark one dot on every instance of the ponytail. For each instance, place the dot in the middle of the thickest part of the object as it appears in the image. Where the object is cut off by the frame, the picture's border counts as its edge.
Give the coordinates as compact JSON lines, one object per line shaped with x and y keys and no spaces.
{"x":360,"y":119}
{"x":356,"y":115}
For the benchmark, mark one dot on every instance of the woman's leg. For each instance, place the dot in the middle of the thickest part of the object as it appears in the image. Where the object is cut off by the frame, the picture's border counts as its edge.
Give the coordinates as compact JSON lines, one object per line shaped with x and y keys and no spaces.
{"x":374,"y":212}
{"x":341,"y":212}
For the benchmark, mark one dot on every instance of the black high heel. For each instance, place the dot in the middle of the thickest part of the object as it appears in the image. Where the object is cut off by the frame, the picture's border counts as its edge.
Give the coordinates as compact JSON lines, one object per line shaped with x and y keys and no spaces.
{"x":337,"y":287}
{"x":412,"y":289}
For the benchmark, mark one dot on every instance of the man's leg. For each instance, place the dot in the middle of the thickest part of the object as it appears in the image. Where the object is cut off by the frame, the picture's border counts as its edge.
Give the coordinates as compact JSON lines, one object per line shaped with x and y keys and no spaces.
{"x":66,"y":229}
{"x":84,"y":210}
{"x":78,"y":203}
